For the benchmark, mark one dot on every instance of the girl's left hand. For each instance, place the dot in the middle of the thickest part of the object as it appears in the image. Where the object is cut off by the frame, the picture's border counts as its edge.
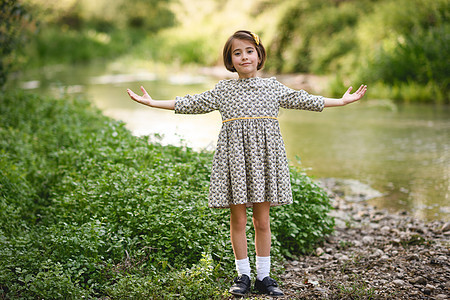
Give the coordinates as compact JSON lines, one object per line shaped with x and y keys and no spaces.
{"x":349,"y":98}
{"x":144,"y":99}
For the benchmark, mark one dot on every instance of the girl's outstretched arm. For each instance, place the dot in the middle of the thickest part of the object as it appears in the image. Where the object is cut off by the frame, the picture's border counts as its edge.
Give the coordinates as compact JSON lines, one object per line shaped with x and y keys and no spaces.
{"x":147,"y":100}
{"x":347,"y":98}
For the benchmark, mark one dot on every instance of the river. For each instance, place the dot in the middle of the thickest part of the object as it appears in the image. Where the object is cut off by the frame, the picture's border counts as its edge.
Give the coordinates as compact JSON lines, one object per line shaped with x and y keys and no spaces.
{"x":402,"y":151}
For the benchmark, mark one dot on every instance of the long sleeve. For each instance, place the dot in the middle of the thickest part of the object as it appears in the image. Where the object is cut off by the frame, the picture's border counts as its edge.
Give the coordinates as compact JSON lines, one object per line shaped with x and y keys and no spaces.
{"x":198,"y":103}
{"x":299,"y":99}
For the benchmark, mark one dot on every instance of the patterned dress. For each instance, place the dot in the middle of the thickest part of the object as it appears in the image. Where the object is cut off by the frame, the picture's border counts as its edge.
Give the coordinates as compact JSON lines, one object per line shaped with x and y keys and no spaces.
{"x":250,"y":163}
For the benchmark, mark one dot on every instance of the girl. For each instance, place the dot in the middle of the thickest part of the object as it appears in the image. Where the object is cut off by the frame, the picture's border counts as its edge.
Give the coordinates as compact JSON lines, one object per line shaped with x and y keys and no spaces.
{"x":250,"y":168}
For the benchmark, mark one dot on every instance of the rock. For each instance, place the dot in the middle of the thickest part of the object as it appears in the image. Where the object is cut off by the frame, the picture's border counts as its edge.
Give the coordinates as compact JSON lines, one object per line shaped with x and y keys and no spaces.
{"x":362,"y":214}
{"x":441,"y":297}
{"x":326,"y":256}
{"x":413,"y":257}
{"x":427,"y":291}
{"x":374,"y":226}
{"x":343,"y":258}
{"x":378,"y":253}
{"x":322,"y":291}
{"x":368,"y":240}
{"x":445,"y":227}
{"x":384,"y":258}
{"x":385,"y":230}
{"x":418,"y":280}
{"x":352,"y":190}
{"x":447,"y":285}
{"x":398,"y":282}
{"x":357,"y":243}
{"x":442,"y":258}
{"x":430,"y":287}
{"x":337,"y":256}
{"x":319,"y":251}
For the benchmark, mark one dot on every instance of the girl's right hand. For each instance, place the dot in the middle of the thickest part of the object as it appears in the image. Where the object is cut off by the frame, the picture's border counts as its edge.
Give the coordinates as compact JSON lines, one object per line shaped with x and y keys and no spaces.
{"x":144,"y":99}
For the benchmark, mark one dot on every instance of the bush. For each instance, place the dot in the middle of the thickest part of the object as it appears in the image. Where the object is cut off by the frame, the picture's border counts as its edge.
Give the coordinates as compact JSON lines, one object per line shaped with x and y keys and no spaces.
{"x":415,"y":60}
{"x":87,"y":209}
{"x":400,"y":43}
{"x":298,"y":227}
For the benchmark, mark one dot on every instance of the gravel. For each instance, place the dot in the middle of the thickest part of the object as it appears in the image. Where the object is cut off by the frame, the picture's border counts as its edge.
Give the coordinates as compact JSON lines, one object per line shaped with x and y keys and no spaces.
{"x":373,"y":254}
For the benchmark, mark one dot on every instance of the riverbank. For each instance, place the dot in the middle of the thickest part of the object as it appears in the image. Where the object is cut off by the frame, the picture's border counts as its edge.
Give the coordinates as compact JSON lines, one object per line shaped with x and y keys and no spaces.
{"x":373,"y":254}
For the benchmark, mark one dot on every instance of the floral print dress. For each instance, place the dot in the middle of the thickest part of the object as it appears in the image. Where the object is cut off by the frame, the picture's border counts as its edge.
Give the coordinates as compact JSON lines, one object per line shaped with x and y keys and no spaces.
{"x":250,"y":163}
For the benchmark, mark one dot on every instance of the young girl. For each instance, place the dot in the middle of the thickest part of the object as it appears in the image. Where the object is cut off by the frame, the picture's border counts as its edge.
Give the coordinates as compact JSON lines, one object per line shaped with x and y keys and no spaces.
{"x":250,"y":168}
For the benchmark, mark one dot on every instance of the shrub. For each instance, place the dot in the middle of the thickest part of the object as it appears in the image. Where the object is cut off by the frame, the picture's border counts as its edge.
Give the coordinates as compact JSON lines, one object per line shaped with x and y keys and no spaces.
{"x":298,"y":227}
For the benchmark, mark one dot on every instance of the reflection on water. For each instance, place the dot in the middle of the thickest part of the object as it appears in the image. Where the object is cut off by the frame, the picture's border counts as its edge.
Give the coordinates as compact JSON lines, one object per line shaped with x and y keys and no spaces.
{"x":403,"y":151}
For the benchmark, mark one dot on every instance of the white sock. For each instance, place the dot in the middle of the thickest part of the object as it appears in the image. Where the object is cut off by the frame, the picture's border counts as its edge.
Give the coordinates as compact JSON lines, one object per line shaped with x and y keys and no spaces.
{"x":243,"y":266}
{"x":262,"y":267}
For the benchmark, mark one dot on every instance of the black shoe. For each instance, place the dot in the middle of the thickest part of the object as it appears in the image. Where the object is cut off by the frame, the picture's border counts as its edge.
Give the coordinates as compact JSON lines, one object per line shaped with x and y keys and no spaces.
{"x":241,"y":286}
{"x":268,"y":286}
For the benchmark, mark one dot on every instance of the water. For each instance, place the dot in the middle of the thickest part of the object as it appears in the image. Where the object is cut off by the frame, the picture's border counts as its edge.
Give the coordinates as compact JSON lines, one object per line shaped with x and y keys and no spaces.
{"x":403,"y":151}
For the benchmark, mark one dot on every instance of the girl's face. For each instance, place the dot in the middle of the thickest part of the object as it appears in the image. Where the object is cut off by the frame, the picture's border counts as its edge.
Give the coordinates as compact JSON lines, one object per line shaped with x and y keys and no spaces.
{"x":245,"y":58}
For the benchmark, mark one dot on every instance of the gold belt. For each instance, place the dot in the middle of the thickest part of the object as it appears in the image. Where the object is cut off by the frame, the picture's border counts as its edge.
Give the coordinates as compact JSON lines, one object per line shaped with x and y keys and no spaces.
{"x":247,"y":118}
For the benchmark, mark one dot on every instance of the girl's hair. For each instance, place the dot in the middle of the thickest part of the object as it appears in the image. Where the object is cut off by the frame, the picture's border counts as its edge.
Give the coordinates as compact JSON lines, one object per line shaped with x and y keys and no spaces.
{"x":247,"y":36}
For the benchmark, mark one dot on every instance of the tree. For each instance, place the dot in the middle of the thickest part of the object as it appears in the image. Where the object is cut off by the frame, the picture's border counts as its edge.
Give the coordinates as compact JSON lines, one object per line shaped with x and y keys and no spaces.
{"x":13,"y":16}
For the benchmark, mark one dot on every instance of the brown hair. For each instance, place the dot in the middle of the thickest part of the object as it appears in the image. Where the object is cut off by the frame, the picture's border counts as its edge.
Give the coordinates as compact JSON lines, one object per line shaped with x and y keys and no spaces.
{"x":247,"y":36}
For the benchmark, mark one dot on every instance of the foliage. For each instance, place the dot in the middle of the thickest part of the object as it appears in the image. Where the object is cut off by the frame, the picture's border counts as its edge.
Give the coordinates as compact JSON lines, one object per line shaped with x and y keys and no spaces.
{"x":88,"y":210}
{"x":400,"y":44}
{"x":104,"y":15}
{"x":81,"y":31}
{"x":300,"y":226}
{"x":415,"y":60}
{"x":55,"y":45}
{"x":13,"y":14}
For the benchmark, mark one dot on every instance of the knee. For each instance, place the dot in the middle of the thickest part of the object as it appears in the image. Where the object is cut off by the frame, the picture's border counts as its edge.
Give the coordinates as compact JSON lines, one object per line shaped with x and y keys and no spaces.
{"x":238,"y":222}
{"x":261,"y":224}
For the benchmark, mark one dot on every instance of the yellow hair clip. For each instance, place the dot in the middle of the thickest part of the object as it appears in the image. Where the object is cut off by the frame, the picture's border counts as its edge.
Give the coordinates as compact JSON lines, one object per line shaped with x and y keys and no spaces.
{"x":255,"y":37}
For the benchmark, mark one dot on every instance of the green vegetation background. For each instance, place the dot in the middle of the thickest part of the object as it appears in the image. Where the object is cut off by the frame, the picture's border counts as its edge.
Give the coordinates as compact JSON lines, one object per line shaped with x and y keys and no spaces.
{"x":400,"y":48}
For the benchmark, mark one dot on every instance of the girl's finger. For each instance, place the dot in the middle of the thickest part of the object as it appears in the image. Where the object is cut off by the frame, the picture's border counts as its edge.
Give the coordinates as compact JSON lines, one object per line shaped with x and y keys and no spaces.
{"x":349,"y":90}
{"x":143,"y":90}
{"x":132,"y":94}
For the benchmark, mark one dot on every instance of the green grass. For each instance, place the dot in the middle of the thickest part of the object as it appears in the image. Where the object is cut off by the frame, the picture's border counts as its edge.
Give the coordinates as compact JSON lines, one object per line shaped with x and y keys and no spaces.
{"x":88,"y":209}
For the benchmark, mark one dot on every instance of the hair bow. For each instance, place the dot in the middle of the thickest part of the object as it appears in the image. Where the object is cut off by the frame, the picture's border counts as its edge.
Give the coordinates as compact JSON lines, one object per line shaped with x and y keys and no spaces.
{"x":255,"y":37}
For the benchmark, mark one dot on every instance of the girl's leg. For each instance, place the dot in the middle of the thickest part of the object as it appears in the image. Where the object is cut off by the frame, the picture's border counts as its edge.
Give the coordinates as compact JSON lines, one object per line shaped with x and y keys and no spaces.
{"x":261,"y":222}
{"x":238,"y":222}
{"x":263,"y":241}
